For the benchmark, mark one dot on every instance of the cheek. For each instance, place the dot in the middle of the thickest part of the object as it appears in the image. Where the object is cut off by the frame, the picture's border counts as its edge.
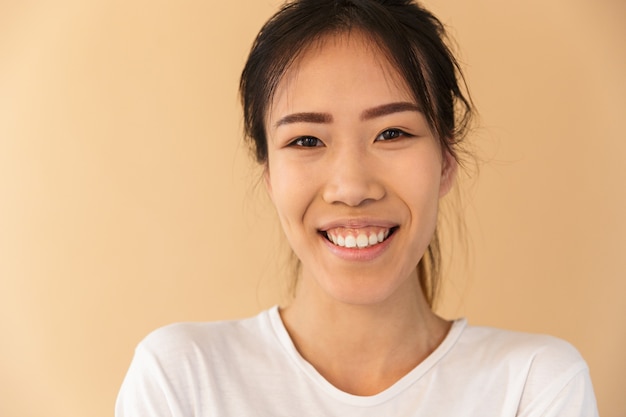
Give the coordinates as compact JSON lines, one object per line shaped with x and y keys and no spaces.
{"x":291,"y":192}
{"x":418,"y":178}
{"x":418,"y":188}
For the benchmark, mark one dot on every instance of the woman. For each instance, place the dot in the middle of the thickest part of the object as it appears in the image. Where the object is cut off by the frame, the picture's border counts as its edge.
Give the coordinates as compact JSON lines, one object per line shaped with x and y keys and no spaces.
{"x":354,"y":109}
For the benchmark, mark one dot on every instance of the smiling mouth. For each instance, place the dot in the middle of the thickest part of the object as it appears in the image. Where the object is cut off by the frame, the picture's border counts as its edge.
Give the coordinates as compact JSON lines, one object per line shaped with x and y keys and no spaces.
{"x":358,"y":238}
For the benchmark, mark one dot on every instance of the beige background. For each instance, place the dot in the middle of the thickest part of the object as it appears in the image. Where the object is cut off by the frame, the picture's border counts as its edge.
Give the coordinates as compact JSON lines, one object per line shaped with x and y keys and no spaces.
{"x":127,"y":200}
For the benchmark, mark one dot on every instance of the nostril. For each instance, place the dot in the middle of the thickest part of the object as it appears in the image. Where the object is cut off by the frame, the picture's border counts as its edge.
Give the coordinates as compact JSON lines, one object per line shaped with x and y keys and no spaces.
{"x":353,"y":193}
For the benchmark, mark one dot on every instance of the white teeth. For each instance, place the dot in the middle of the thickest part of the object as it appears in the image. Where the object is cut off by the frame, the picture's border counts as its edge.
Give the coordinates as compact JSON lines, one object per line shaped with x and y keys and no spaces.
{"x":362,"y":241}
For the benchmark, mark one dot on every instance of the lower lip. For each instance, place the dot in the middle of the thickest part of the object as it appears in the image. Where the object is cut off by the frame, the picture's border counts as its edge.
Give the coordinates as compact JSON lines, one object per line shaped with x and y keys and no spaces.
{"x":355,"y":254}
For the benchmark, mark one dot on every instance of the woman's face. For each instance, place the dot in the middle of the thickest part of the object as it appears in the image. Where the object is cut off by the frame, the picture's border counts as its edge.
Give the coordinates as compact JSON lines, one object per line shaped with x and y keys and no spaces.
{"x":354,"y":171}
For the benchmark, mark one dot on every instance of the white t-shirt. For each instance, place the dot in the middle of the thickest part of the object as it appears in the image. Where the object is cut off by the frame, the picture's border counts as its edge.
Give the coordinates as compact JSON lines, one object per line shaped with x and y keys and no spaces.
{"x":251,"y":368}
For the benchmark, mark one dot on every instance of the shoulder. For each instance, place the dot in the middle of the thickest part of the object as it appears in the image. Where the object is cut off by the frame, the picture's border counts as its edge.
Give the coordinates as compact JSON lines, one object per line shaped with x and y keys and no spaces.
{"x":540,"y":372}
{"x":201,"y":357}
{"x":189,"y":339}
{"x":536,"y":352}
{"x":506,"y":342}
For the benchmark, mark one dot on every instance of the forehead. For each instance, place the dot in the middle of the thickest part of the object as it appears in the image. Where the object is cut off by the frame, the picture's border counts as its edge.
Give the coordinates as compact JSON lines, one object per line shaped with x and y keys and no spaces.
{"x":343,"y":63}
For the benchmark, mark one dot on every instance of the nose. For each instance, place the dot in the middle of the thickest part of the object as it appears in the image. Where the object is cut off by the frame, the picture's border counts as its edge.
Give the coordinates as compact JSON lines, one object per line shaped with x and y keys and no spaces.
{"x":353,"y":179}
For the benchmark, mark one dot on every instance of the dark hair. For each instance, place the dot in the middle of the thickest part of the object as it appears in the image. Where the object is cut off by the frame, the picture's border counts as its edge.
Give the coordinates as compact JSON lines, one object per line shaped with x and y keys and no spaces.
{"x":413,"y":41}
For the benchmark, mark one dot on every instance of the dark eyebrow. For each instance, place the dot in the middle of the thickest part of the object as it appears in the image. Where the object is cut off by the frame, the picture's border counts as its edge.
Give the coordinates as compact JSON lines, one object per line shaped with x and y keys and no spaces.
{"x":305,"y":118}
{"x":379,"y":111}
{"x":390,"y":108}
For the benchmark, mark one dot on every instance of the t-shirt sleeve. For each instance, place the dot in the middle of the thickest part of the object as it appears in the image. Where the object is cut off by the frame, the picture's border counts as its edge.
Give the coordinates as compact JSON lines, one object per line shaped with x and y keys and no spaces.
{"x":144,"y":391}
{"x":576,"y":399}
{"x":558,"y":384}
{"x":157,"y":382}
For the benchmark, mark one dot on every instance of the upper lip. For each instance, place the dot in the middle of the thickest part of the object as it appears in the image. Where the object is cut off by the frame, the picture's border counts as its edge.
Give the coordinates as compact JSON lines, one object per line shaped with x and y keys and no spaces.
{"x":356,"y":223}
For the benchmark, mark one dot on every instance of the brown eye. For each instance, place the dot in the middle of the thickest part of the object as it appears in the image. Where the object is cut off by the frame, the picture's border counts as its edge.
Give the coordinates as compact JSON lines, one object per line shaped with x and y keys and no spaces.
{"x":391,"y":134}
{"x":306,"y":142}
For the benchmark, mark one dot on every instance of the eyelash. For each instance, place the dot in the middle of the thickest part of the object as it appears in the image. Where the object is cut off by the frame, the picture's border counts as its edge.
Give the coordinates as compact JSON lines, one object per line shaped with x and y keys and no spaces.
{"x":299,"y":142}
{"x":397,"y":132}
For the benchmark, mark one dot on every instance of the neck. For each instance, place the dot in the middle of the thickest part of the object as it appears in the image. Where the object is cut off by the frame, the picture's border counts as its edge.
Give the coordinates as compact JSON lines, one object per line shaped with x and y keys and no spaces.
{"x":364,"y":348}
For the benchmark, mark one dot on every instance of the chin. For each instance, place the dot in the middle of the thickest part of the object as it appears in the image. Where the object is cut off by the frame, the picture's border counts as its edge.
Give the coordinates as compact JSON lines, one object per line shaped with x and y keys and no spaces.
{"x":367,"y":290}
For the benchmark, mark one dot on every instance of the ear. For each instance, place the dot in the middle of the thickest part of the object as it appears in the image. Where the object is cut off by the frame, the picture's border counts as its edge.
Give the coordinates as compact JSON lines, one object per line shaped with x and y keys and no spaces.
{"x":449,"y":167}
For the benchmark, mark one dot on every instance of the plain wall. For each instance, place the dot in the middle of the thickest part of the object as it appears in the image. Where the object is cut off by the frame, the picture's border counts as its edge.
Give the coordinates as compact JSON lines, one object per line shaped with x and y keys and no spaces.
{"x":128,"y":200}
